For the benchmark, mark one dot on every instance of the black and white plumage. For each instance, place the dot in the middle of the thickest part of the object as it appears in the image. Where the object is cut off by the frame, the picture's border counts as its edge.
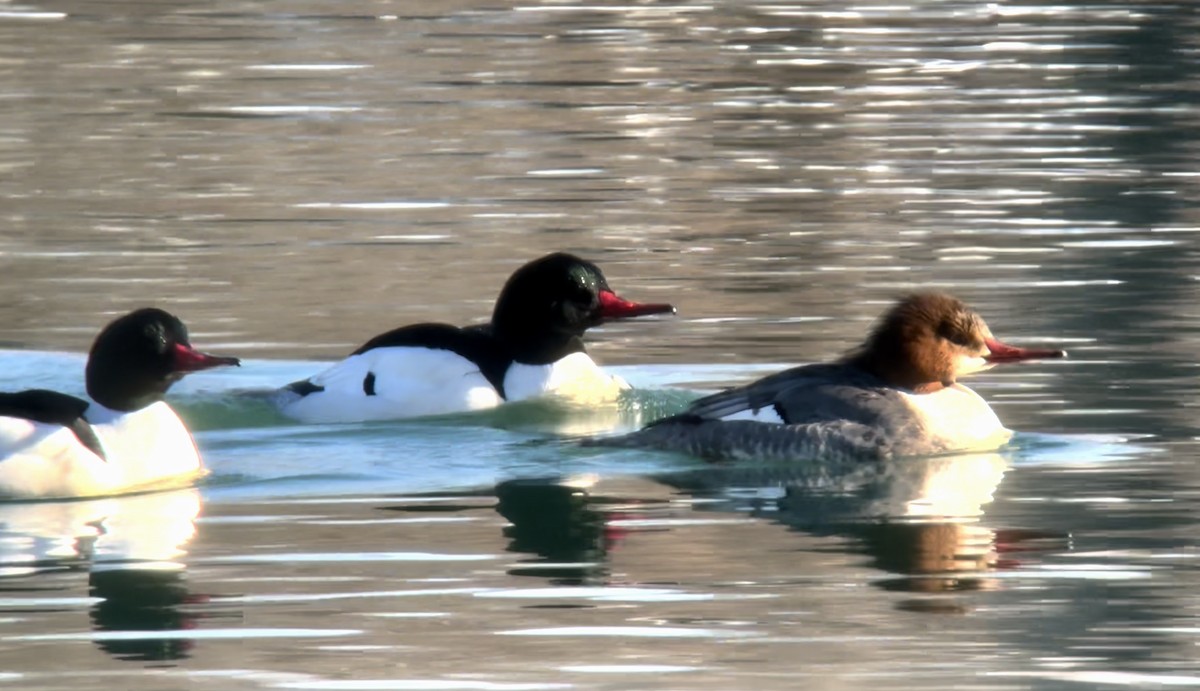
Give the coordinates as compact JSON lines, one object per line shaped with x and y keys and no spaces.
{"x":55,"y":445}
{"x":532,"y":346}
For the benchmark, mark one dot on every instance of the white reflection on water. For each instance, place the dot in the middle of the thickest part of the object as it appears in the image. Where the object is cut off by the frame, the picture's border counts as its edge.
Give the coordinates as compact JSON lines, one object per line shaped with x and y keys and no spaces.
{"x":21,"y":602}
{"x":300,"y":557}
{"x":31,"y":15}
{"x":185,"y":634}
{"x":606,"y":594}
{"x":630,"y":669}
{"x":1115,"y":678}
{"x":375,"y":206}
{"x":148,"y":531}
{"x":322,"y":597}
{"x":309,"y":67}
{"x":420,"y":685}
{"x":631,"y":632}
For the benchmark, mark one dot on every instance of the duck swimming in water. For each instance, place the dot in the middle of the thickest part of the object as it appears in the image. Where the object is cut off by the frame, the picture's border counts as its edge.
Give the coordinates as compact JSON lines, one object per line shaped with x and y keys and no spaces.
{"x":532,"y":346}
{"x":54,"y":445}
{"x":897,"y":395}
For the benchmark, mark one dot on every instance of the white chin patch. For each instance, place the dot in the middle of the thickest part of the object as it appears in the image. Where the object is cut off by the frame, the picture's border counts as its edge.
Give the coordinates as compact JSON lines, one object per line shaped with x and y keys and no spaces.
{"x":967,"y":364}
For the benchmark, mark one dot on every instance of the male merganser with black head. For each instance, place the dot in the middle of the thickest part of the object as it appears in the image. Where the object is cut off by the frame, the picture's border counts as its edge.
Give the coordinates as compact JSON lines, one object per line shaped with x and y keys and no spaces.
{"x":532,"y":346}
{"x":897,"y":395}
{"x":54,"y":445}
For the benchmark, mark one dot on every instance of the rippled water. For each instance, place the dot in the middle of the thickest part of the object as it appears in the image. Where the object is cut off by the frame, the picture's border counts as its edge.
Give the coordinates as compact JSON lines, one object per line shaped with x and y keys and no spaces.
{"x":294,"y":177}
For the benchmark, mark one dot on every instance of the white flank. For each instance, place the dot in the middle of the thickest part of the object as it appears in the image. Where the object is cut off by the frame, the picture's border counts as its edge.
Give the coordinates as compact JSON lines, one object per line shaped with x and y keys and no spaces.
{"x":415,"y":382}
{"x":409,"y":382}
{"x":145,"y":449}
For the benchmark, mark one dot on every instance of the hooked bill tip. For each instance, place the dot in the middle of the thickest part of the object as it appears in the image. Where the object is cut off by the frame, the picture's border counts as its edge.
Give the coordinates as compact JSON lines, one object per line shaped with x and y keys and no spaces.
{"x":188,"y":359}
{"x":613,"y":307}
{"x":1001,"y":352}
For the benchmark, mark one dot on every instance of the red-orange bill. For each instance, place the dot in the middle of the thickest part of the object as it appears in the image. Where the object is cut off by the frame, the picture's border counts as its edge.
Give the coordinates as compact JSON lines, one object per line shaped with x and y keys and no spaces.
{"x":188,"y":359}
{"x":1001,"y":352}
{"x":613,"y":307}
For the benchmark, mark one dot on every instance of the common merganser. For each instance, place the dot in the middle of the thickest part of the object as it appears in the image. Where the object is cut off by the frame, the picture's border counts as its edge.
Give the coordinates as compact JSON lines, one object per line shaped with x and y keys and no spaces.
{"x":897,"y":395}
{"x":532,"y":346}
{"x":54,"y":445}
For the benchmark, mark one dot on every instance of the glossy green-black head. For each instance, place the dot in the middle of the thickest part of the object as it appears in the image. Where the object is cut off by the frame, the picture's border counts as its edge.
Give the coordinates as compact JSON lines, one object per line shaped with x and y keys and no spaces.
{"x":547,"y":304}
{"x":137,"y":357}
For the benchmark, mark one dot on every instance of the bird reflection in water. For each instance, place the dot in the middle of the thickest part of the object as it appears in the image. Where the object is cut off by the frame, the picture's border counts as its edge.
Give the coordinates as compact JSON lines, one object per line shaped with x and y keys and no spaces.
{"x":947,"y":557}
{"x":149,"y":600}
{"x":568,"y":529}
{"x":918,"y":519}
{"x":131,"y":548}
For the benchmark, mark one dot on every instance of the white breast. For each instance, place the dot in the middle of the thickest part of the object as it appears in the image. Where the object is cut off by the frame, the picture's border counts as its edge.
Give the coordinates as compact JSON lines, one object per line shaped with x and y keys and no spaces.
{"x":145,"y":449}
{"x":575,"y":377}
{"x":958,"y":419}
{"x":407,"y":381}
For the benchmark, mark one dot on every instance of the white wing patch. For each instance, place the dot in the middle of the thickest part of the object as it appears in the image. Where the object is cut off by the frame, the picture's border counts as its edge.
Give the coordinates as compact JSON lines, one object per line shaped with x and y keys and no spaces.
{"x":766,"y":414}
{"x":407,"y":382}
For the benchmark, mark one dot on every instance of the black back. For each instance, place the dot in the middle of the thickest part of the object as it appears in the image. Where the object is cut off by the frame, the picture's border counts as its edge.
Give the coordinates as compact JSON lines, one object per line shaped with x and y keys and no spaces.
{"x":475,"y":343}
{"x":539,"y":318}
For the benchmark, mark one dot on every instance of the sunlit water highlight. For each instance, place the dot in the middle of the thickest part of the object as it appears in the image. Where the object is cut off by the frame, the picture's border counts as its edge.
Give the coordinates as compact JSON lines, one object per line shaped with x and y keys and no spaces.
{"x":293,"y":179}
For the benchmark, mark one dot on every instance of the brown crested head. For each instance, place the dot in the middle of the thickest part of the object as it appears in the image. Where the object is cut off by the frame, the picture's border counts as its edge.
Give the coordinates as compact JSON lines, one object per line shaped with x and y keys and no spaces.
{"x":928,"y":340}
{"x":919,"y":342}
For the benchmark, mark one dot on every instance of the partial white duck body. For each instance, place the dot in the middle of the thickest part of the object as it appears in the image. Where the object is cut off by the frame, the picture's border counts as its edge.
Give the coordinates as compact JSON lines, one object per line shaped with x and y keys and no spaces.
{"x":896,"y":396}
{"x":54,"y":445}
{"x":150,"y":449}
{"x":532,"y":347}
{"x":427,"y":381}
{"x":575,"y":377}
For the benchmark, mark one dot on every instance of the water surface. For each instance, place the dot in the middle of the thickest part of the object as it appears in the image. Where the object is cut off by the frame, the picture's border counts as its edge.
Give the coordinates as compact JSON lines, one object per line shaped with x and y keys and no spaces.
{"x":296,"y":177}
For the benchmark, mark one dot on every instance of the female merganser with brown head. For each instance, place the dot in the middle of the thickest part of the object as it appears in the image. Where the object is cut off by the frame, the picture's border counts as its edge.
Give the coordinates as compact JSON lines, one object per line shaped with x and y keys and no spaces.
{"x":896,"y":395}
{"x":532,"y":346}
{"x":54,"y":445}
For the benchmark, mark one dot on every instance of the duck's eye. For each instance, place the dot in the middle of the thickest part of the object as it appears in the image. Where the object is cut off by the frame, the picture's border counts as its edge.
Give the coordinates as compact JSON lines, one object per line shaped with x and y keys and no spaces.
{"x":157,"y":336}
{"x":584,"y":285}
{"x":957,"y":333}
